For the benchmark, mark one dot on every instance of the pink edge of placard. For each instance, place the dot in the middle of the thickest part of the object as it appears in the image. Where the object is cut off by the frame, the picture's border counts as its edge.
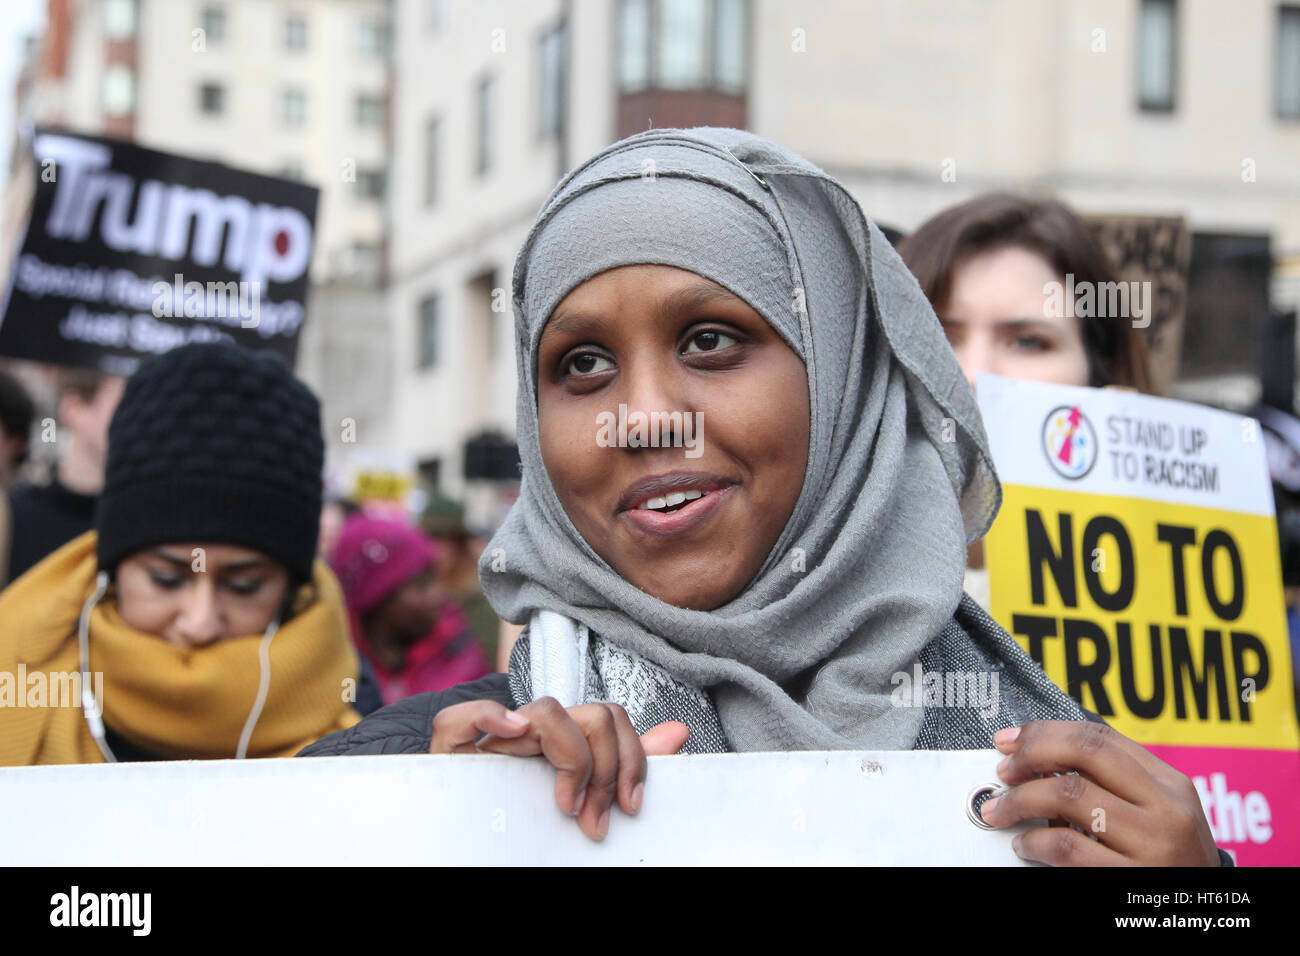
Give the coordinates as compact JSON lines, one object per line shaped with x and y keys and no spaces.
{"x":1236,"y":779}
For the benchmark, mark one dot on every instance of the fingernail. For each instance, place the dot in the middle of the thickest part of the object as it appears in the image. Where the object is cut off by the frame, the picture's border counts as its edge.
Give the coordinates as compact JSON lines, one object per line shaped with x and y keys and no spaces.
{"x":1015,"y":844}
{"x":1006,"y":735}
{"x":519,"y":720}
{"x":1002,"y":765}
{"x":577,"y":807}
{"x":638,"y":793}
{"x":988,"y":807}
{"x":602,"y":827}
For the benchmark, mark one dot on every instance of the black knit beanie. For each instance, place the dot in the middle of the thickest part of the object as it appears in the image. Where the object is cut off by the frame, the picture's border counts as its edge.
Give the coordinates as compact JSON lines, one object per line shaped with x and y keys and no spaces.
{"x":216,"y":443}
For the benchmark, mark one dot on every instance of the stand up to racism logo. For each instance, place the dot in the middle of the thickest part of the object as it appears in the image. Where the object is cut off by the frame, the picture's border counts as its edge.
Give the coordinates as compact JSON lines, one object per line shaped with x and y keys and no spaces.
{"x":1069,"y":441}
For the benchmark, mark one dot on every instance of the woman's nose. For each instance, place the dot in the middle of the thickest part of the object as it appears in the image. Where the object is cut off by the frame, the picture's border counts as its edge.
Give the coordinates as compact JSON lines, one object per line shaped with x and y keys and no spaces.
{"x":974,"y":357}
{"x":199,"y":622}
{"x":654,"y":390}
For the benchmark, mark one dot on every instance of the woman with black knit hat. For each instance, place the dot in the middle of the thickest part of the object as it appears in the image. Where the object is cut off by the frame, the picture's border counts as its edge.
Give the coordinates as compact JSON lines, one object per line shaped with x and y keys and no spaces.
{"x":194,"y":621}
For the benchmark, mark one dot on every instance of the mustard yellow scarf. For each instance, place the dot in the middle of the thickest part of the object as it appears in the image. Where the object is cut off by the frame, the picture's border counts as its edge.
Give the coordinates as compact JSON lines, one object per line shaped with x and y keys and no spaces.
{"x":175,"y":702}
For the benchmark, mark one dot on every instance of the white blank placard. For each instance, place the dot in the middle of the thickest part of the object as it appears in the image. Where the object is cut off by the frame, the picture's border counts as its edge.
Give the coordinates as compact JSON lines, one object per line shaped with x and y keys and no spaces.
{"x":882,"y":808}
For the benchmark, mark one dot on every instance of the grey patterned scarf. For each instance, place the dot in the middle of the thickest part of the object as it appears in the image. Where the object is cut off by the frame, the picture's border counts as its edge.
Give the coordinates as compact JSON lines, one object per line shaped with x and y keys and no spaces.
{"x":868,"y":570}
{"x":970,"y":646}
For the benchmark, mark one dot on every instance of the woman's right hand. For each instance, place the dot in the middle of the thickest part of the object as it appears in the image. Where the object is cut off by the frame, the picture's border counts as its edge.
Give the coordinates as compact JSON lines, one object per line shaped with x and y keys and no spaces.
{"x":594,"y":748}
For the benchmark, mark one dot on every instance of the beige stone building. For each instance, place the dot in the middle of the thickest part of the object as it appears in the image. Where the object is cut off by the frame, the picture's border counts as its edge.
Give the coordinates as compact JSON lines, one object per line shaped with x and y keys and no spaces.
{"x":1152,"y":107}
{"x":437,"y":127}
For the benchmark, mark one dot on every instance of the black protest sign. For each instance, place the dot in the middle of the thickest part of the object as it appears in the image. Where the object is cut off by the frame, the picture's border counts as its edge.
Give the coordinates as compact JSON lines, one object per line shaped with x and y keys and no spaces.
{"x":130,"y":252}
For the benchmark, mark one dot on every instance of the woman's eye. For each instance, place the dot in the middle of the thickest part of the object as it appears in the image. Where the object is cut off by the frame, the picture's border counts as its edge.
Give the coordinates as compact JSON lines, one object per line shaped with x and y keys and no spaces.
{"x":709,"y":341}
{"x":587,"y":363}
{"x":1032,"y":343}
{"x":245,"y":588}
{"x":167,"y":582}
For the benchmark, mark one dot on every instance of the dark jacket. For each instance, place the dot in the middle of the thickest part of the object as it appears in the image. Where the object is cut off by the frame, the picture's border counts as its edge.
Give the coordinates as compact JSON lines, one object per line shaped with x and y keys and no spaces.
{"x":43,"y":518}
{"x":406,"y":727}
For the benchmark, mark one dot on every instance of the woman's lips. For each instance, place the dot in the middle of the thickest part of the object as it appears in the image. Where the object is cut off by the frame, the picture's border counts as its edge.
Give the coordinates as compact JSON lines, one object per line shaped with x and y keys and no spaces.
{"x":688,"y":517}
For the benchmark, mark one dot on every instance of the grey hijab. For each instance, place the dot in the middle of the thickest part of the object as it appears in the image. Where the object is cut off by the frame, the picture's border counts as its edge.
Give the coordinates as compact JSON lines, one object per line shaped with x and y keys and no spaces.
{"x":868,"y":569}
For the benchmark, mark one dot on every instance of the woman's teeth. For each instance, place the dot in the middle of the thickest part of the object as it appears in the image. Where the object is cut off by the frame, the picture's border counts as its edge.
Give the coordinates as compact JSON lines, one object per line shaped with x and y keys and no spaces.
{"x":672,"y":500}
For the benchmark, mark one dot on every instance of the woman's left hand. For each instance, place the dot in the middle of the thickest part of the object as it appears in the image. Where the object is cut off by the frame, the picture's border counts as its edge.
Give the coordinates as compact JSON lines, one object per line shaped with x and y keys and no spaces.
{"x":1141,"y":811}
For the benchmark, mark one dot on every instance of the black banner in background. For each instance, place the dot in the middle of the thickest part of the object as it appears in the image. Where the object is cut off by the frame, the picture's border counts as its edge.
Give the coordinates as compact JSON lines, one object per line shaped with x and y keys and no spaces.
{"x":130,"y":252}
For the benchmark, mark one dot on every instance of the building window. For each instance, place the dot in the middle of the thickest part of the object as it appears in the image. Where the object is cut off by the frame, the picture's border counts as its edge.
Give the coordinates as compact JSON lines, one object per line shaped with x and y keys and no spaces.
{"x":730,"y":40}
{"x":370,"y":184}
{"x":431,"y":150}
{"x":1288,"y":63}
{"x":552,"y":55}
{"x":435,"y":15}
{"x":119,"y":19}
{"x":295,"y":33}
{"x":1157,"y":55}
{"x":213,"y":21}
{"x":483,"y":141}
{"x":293,"y":107}
{"x":370,"y":110}
{"x":683,"y":26}
{"x":634,"y":45}
{"x":427,"y":332}
{"x":683,"y":44}
{"x":368,"y":258}
{"x":119,"y":90}
{"x":212,"y":99}
{"x":372,"y":38}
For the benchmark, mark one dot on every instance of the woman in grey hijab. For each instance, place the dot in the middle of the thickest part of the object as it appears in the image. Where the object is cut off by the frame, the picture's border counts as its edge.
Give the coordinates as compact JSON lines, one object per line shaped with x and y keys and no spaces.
{"x":751,"y":469}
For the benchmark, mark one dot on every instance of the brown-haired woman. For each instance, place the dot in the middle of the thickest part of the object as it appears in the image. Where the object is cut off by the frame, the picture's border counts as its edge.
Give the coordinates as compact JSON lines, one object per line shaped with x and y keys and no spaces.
{"x":985,"y":266}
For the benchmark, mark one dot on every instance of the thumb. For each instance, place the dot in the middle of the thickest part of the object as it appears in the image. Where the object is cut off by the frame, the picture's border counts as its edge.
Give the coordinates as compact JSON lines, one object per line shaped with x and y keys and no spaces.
{"x":665,"y":739}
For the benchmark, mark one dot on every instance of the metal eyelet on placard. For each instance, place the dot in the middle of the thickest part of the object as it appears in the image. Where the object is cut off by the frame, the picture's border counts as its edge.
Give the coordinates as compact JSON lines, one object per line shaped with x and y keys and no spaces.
{"x":987,"y":791}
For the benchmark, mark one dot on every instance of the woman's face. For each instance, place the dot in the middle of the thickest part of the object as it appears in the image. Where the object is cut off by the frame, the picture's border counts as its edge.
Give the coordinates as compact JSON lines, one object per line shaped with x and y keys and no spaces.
{"x":409,"y":612}
{"x":692,"y":520}
{"x":193,"y":595}
{"x":996,"y":321}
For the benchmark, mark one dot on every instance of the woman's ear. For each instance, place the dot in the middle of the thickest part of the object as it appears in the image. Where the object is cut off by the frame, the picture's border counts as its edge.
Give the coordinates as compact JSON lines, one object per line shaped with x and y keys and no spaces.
{"x":297,"y":599}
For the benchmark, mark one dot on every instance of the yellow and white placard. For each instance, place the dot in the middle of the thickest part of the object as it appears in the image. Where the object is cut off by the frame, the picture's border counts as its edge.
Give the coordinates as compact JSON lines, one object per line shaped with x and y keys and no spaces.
{"x":1136,"y":558}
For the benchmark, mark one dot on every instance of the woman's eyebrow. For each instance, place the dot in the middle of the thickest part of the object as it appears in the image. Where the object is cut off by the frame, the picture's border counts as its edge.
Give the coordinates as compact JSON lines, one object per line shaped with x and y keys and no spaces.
{"x":577,"y":324}
{"x":693,"y":297}
{"x":249,"y":565}
{"x":1022,"y":324}
{"x":170,"y":558}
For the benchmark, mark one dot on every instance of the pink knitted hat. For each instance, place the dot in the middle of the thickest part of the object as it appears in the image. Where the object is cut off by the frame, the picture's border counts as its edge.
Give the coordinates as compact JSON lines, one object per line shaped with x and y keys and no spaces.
{"x":375,"y":555}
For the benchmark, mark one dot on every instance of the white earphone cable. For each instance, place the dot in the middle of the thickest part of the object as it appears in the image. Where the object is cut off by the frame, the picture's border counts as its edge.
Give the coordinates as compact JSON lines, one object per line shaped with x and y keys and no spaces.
{"x":263,"y":687}
{"x":91,"y":708}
